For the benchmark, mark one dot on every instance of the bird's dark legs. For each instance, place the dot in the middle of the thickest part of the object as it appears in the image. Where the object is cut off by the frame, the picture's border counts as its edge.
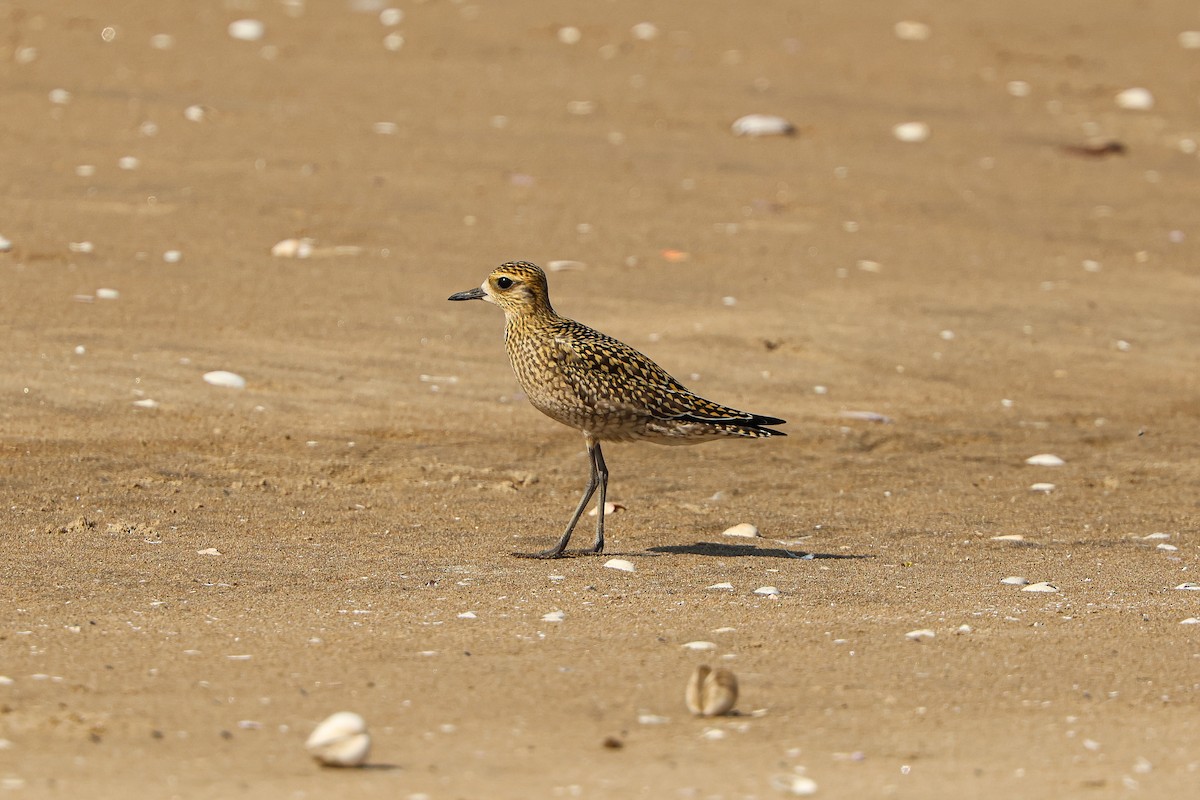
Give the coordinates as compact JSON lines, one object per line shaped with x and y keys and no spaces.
{"x":597,"y":477}
{"x":599,"y":470}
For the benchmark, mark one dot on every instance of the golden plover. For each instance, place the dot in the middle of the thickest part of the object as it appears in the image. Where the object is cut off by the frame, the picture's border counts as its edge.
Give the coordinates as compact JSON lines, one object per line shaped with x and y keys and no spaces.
{"x":599,"y":385}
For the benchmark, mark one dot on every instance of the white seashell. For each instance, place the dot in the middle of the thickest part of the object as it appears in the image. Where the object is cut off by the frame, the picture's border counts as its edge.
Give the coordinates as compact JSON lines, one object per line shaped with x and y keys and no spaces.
{"x":713,"y":734}
{"x":129,"y":162}
{"x":1044,"y":460}
{"x":146,"y":403}
{"x":768,"y":591}
{"x":911,"y":31}
{"x":700,"y":646}
{"x":1189,"y":40}
{"x":81,"y":247}
{"x":1043,"y":586}
{"x":964,"y":629}
{"x":762,"y":125}
{"x":385,"y":128}
{"x":911,"y":131}
{"x":247,"y":30}
{"x":195,"y":113}
{"x":6,"y":681}
{"x":162,"y":41}
{"x":391,"y":17}
{"x":722,"y":585}
{"x":1015,"y":580}
{"x":711,"y":693}
{"x":172,"y":256}
{"x":60,"y":97}
{"x":293,"y":248}
{"x":393,"y":41}
{"x":1190,"y":621}
{"x":1044,"y":488}
{"x":554,"y":616}
{"x":561,"y":266}
{"x":1188,"y":587}
{"x":1160,"y":535}
{"x":341,"y":740}
{"x":1136,"y":99}
{"x":569,"y":34}
{"x":1009,"y":537}
{"x":866,"y":416}
{"x":920,"y":635}
{"x":652,"y":719}
{"x":743,"y":530}
{"x":1168,"y":547}
{"x":609,"y":509}
{"x":229,"y":380}
{"x":208,"y":551}
{"x":1018,"y":88}
{"x":795,"y":785}
{"x":467,"y":615}
{"x":619,"y":564}
{"x":107,"y":294}
{"x":5,"y":245}
{"x":646,"y":31}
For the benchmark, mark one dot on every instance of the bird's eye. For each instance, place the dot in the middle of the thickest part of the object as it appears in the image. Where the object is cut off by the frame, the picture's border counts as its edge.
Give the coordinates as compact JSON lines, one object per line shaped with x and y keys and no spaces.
{"x":504,"y":282}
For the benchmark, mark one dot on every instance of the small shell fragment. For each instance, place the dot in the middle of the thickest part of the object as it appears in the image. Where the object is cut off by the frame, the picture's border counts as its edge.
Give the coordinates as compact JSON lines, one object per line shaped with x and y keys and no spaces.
{"x":5,"y":245}
{"x":208,"y":551}
{"x":796,"y":785}
{"x":1015,"y":580}
{"x":609,"y":509}
{"x":700,"y":646}
{"x":1045,"y":460}
{"x":1135,"y":99}
{"x":743,"y":530}
{"x":146,"y":403}
{"x":554,"y":616}
{"x":341,"y":740}
{"x":229,"y":380}
{"x":911,"y":31}
{"x":711,"y":693}
{"x":911,"y":131}
{"x":620,"y":564}
{"x":920,"y":635}
{"x":1041,"y":586}
{"x":107,"y":294}
{"x":1044,"y":488}
{"x":645,"y":31}
{"x":1159,"y":535}
{"x":1189,"y":586}
{"x":247,"y":30}
{"x":768,"y":591}
{"x":762,"y":125}
{"x":1008,"y":537}
{"x":293,"y":248}
{"x":722,"y":585}
{"x":1190,"y":621}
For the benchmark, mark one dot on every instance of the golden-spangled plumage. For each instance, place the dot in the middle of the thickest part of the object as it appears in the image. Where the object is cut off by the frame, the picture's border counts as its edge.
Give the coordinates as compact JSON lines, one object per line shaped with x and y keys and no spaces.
{"x":600,"y":386}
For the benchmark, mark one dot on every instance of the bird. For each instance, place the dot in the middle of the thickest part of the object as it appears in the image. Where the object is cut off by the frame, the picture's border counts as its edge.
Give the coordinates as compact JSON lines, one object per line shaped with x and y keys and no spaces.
{"x":598,"y":385}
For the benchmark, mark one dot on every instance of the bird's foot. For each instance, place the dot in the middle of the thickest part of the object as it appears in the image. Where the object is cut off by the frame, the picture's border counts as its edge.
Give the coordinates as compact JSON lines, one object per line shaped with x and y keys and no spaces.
{"x":546,"y":554}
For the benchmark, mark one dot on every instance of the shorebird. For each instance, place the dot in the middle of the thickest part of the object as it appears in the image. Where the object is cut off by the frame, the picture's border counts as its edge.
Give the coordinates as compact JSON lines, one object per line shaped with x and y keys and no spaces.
{"x":598,"y":385}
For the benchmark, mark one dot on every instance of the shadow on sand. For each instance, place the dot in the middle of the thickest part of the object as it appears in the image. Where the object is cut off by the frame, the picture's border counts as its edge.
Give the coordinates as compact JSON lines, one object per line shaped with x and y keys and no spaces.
{"x":723,"y":550}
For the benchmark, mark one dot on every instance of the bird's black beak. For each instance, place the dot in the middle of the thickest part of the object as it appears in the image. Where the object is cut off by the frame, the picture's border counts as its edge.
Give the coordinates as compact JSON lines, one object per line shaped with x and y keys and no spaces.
{"x":470,"y":294}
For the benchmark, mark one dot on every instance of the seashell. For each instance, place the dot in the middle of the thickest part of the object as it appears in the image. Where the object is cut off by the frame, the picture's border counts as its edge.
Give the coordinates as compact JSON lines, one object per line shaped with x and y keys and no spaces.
{"x":762,"y":125}
{"x":393,"y":41}
{"x":1015,"y":580}
{"x":1018,"y":88}
{"x":146,"y":403}
{"x":554,"y":616}
{"x":5,"y":245}
{"x":172,"y":256}
{"x":1009,"y":537}
{"x":1160,"y":535}
{"x":1044,"y":460}
{"x":1164,"y":546}
{"x":208,"y":551}
{"x":467,"y":615}
{"x":867,"y":416}
{"x":229,"y":380}
{"x":700,"y":646}
{"x":81,"y":247}
{"x":722,"y":585}
{"x":911,"y":131}
{"x":964,"y":629}
{"x":1190,"y":621}
{"x":293,"y":248}
{"x":1043,"y":586}
{"x":107,"y":294}
{"x":1189,"y":586}
{"x":743,"y":529}
{"x":60,"y":97}
{"x":247,"y":30}
{"x":341,"y":740}
{"x":652,"y":719}
{"x":1135,"y":99}
{"x":609,"y":509}
{"x":795,"y":785}
{"x":911,"y":31}
{"x":391,"y":17}
{"x":195,"y":113}
{"x":563,"y":265}
{"x":920,"y":635}
{"x":768,"y":591}
{"x":713,"y":734}
{"x":1044,"y":488}
{"x":711,"y":693}
{"x":129,"y":162}
{"x":646,"y":31}
{"x":619,"y":564}
{"x":569,"y":34}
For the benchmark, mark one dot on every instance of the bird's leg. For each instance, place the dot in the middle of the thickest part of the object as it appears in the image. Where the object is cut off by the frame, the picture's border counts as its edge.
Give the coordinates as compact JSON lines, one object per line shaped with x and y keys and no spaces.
{"x":589,"y":490}
{"x":599,"y":470}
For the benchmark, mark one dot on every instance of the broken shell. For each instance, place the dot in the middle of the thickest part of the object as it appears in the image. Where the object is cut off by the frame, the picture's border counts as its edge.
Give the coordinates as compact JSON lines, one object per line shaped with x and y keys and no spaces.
{"x":911,"y":131}
{"x":293,"y":248}
{"x":220,"y":377}
{"x":1042,"y":586}
{"x":554,"y":616}
{"x":341,"y":740}
{"x":247,"y":30}
{"x":742,"y":529}
{"x":711,"y":693}
{"x":920,"y":635}
{"x":1044,"y":460}
{"x":609,"y":509}
{"x":1015,"y":580}
{"x":619,"y":564}
{"x":700,"y":646}
{"x":1188,"y":587}
{"x":762,"y":125}
{"x":1044,"y":488}
{"x":768,"y":591}
{"x":1136,"y":99}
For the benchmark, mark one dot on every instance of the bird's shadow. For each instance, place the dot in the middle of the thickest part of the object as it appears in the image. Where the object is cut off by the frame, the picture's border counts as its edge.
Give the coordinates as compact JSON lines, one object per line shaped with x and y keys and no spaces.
{"x":723,"y":550}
